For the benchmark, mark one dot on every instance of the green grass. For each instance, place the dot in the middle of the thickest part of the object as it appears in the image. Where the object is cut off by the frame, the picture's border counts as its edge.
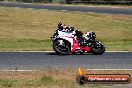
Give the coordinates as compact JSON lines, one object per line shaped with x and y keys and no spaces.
{"x":58,"y":1}
{"x":45,"y":81}
{"x":25,"y":44}
{"x":31,"y":29}
{"x":7,"y":82}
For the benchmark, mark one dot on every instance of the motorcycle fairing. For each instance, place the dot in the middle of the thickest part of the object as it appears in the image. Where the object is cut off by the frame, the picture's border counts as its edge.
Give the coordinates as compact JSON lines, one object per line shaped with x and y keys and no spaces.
{"x":76,"y":46}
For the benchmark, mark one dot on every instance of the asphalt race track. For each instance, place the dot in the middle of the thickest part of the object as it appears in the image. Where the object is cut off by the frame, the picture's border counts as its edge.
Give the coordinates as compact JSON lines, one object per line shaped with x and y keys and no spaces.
{"x":42,"y":60}
{"x":127,"y":11}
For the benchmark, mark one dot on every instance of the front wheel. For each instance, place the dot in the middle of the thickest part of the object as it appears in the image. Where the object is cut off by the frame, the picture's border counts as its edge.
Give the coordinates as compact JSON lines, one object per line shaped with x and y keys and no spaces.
{"x":98,"y":49}
{"x":61,"y":46}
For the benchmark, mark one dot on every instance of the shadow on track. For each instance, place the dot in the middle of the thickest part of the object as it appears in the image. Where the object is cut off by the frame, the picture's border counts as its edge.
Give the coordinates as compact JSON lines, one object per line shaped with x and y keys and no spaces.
{"x":53,"y":53}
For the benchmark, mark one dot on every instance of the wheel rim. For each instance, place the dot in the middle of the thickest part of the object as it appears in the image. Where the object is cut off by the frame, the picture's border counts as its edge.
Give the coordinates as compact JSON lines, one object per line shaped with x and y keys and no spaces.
{"x":62,"y":47}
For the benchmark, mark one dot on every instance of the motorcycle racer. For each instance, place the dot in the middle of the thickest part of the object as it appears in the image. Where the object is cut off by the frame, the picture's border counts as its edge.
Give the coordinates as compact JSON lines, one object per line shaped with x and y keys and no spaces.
{"x":66,"y":40}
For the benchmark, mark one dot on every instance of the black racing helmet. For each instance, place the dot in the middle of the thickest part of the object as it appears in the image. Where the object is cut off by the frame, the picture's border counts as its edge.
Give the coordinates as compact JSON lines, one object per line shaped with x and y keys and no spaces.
{"x":78,"y":33}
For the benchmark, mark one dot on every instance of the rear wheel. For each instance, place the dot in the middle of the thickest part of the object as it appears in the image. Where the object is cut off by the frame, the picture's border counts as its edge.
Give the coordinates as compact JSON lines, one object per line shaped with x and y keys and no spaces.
{"x":61,"y":46}
{"x":98,"y":49}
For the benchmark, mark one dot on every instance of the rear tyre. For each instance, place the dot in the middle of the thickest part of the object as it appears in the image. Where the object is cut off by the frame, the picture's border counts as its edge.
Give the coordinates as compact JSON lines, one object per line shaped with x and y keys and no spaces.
{"x":98,"y":49}
{"x":63,"y":49}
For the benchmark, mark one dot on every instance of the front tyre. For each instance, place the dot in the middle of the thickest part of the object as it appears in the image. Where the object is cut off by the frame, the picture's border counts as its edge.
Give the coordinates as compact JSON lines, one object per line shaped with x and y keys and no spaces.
{"x":98,"y":49}
{"x":61,"y":46}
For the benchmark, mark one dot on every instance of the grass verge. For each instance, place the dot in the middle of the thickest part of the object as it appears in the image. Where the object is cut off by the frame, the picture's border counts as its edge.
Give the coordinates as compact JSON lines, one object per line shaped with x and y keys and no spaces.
{"x":50,"y":79}
{"x":30,"y":29}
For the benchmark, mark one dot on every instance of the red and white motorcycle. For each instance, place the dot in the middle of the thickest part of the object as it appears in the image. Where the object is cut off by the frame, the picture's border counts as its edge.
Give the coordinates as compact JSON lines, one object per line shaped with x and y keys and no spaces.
{"x":69,"y":41}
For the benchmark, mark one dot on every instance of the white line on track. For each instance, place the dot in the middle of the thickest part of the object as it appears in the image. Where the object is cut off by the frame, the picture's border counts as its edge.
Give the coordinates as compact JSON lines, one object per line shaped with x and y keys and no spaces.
{"x":117,"y":51}
{"x":85,"y":69}
{"x":111,"y":69}
{"x":18,"y":70}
